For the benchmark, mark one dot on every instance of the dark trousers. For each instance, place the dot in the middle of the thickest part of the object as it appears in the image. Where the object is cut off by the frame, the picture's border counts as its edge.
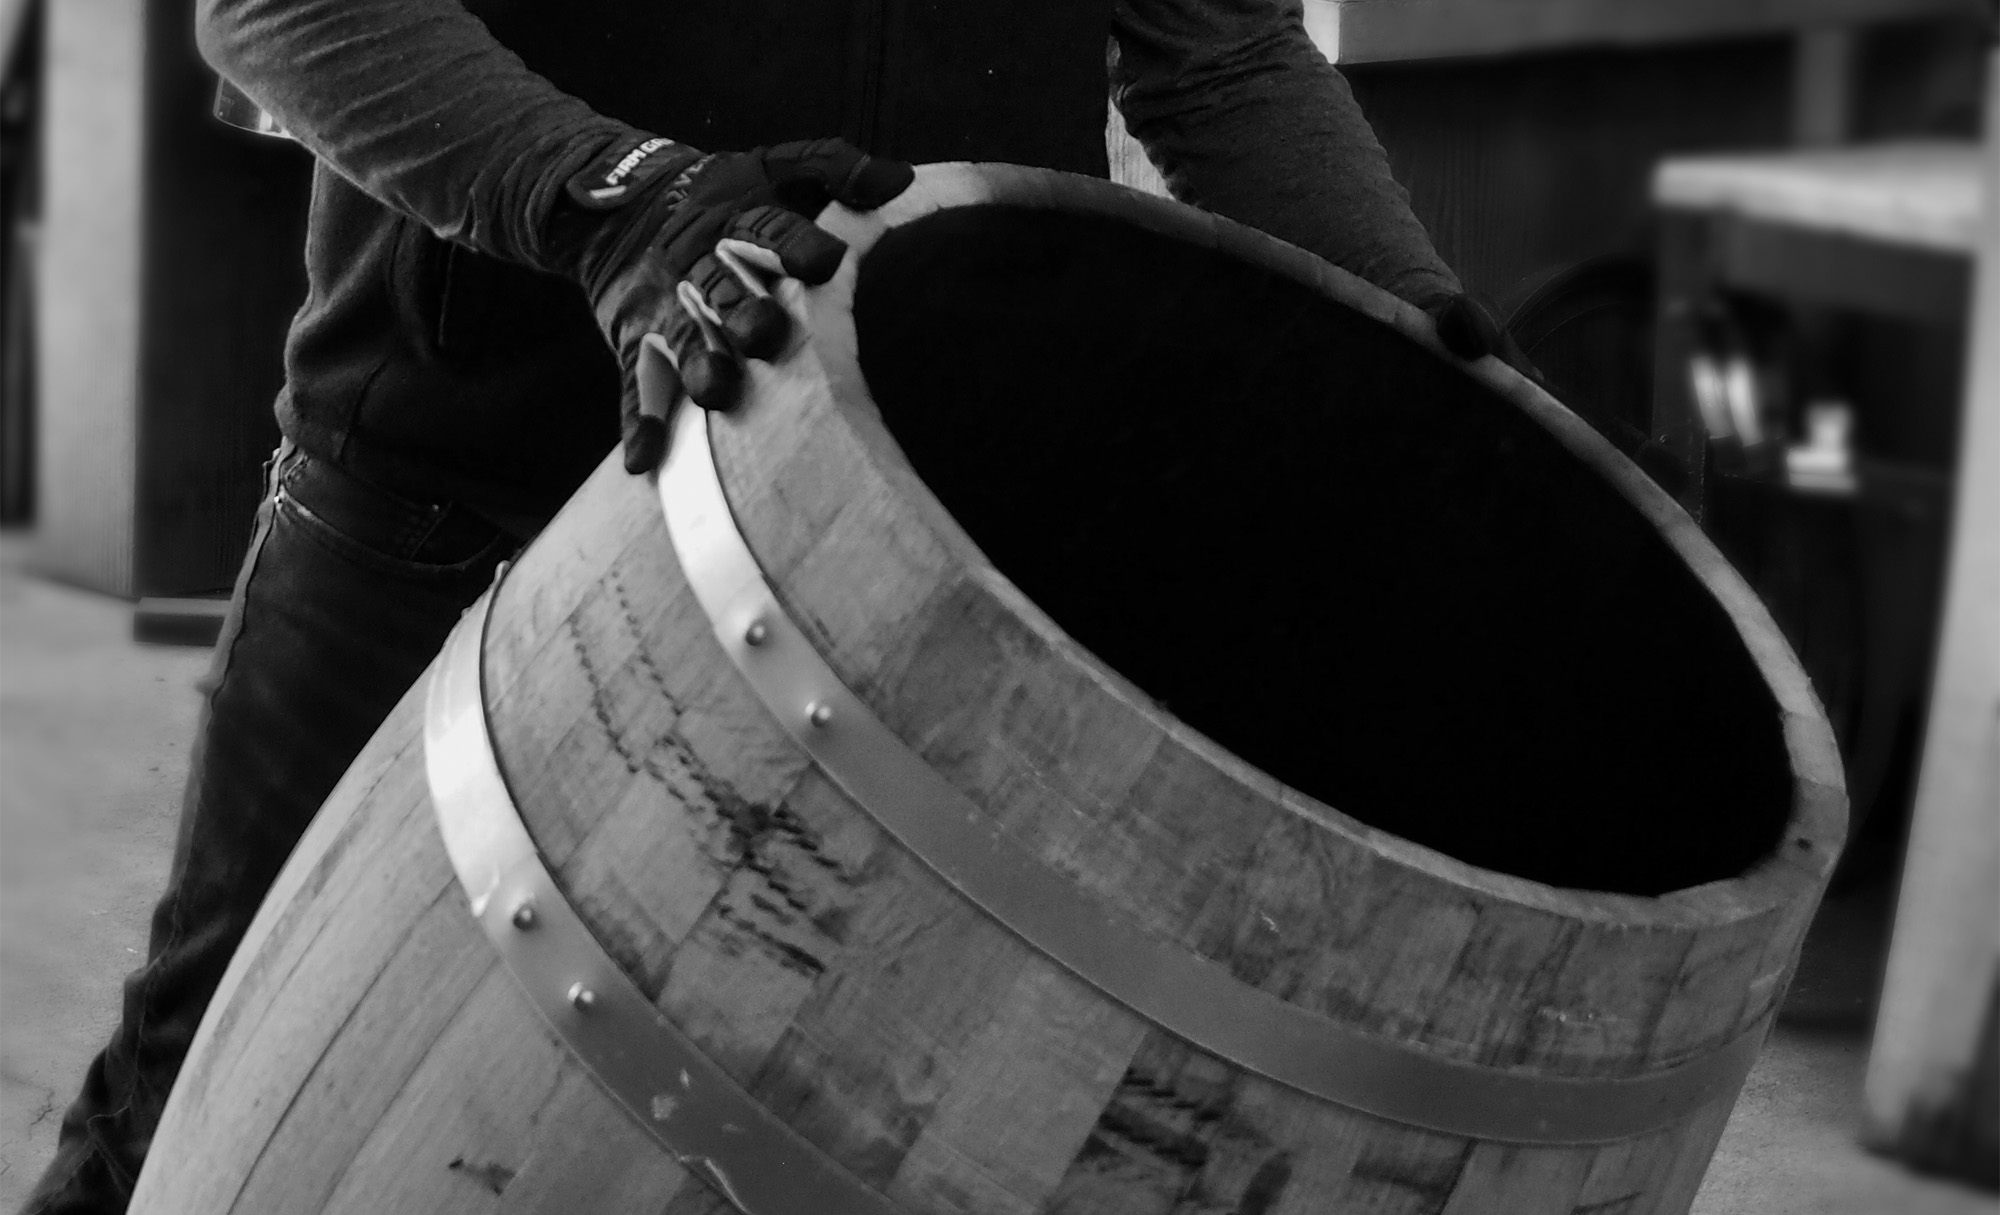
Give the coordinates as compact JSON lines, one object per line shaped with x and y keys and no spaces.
{"x":345,"y":596}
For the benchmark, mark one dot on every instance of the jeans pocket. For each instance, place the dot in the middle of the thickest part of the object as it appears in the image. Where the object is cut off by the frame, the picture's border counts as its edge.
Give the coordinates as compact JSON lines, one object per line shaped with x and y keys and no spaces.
{"x":475,"y":558}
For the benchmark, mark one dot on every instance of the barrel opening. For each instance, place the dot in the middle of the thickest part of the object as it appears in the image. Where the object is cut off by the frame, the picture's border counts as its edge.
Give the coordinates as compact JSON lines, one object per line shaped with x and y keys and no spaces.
{"x":1328,"y":549}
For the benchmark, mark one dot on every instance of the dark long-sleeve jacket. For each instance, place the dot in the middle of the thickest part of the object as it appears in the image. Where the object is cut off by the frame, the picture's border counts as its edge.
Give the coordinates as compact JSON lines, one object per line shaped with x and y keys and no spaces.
{"x":442,"y":349}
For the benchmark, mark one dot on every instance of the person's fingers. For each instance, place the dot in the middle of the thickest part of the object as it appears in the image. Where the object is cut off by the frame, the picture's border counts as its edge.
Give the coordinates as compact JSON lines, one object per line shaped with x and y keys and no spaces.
{"x":804,"y":176}
{"x":875,"y":181}
{"x":1465,"y":328}
{"x":709,"y":369}
{"x":754,"y":324}
{"x":650,"y":392}
{"x":717,"y":285}
{"x":837,"y":171}
{"x":1469,"y":329}
{"x":806,"y":251}
{"x":760,"y":262}
{"x":714,"y":380}
{"x":678,"y":331}
{"x":643,"y":440}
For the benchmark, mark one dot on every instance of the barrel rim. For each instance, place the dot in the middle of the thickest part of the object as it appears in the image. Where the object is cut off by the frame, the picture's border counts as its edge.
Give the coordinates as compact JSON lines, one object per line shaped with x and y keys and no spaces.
{"x":1815,"y":827}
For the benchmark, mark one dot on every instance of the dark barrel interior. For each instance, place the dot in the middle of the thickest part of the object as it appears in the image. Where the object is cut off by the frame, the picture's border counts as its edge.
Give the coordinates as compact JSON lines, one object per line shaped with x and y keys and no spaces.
{"x":1329,"y":550}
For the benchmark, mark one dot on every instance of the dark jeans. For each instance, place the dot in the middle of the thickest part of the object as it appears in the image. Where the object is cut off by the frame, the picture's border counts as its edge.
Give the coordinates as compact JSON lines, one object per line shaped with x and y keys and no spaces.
{"x":345,"y":596}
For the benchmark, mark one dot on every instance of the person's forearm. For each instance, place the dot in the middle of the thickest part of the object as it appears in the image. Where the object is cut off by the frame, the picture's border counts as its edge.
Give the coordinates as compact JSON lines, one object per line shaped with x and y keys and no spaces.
{"x":1246,"y":118}
{"x":418,"y":105}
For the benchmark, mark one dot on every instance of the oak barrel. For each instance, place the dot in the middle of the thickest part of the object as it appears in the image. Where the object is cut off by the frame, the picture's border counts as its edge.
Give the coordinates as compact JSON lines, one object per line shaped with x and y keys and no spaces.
{"x":1258,"y":764}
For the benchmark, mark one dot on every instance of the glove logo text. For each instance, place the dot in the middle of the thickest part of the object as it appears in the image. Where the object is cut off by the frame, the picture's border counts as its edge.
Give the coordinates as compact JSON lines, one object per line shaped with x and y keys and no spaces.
{"x":614,"y":181}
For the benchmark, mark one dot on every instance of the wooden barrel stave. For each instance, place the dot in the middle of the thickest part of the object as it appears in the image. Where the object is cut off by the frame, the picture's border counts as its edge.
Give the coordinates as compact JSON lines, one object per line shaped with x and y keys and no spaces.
{"x":403,"y":999}
{"x":537,"y":1127}
{"x":1405,"y":1175}
{"x":334,"y":925}
{"x":879,"y":1111}
{"x":436,"y":1147}
{"x":367,"y":1061}
{"x":906,"y":1034}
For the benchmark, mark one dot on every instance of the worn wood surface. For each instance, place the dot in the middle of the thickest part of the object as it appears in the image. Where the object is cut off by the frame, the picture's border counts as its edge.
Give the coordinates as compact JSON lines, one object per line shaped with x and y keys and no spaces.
{"x":903,"y":1032}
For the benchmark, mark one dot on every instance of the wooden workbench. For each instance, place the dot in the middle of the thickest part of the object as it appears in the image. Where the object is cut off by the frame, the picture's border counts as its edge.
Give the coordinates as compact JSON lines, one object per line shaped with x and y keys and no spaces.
{"x":1924,"y":194}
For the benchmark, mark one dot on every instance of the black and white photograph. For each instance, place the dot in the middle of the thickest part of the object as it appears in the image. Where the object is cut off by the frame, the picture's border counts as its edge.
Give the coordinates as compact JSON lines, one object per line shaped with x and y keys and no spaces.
{"x":1034,"y":607}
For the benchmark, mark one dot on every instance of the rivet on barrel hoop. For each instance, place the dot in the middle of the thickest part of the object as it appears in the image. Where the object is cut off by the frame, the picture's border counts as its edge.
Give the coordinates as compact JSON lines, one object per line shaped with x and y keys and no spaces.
{"x":523,"y":915}
{"x":757,"y":634}
{"x":819,"y":712}
{"x":581,"y":998}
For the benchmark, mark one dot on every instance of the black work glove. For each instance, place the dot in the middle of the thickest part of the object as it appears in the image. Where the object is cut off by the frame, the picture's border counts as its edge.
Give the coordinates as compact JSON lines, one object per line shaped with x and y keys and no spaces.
{"x":654,"y":213}
{"x":1468,"y":328}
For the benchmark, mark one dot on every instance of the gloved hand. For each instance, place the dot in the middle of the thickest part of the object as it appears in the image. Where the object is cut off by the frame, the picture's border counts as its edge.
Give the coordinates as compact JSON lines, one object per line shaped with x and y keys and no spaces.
{"x":1469,"y":329}
{"x":650,"y":261}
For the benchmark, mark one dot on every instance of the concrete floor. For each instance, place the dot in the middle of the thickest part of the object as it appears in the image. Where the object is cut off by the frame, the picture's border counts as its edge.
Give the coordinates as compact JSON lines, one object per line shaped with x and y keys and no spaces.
{"x":93,"y":739}
{"x":93,"y":744}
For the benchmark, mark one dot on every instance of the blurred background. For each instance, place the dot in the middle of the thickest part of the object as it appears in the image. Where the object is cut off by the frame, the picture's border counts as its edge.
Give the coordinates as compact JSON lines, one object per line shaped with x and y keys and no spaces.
{"x":1752,"y":227}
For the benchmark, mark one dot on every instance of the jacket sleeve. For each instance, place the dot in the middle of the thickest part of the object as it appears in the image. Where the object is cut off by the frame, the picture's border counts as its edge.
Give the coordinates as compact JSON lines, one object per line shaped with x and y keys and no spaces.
{"x":418,"y":105}
{"x":1243,"y":116}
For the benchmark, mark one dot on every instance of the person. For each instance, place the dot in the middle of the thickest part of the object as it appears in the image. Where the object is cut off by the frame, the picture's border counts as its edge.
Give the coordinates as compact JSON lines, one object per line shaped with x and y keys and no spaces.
{"x":507,"y":201}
